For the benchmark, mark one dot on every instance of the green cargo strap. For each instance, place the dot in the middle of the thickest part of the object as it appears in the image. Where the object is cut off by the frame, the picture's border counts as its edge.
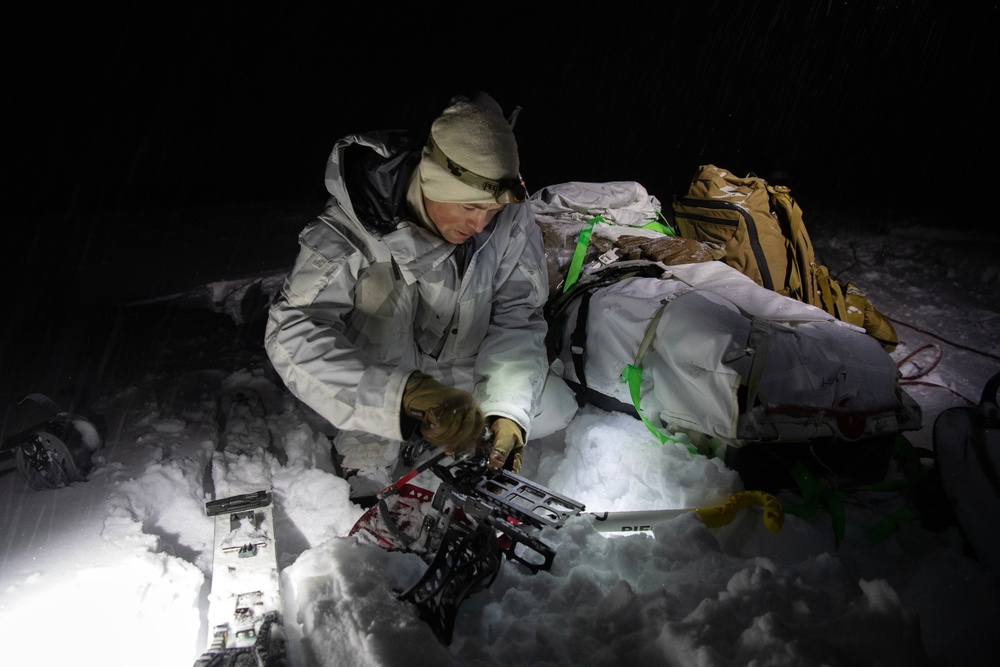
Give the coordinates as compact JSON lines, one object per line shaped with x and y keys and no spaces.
{"x":890,"y":524}
{"x":816,"y":494}
{"x":582,"y":242}
{"x":632,"y":376}
{"x":909,"y":458}
{"x":663,"y":227}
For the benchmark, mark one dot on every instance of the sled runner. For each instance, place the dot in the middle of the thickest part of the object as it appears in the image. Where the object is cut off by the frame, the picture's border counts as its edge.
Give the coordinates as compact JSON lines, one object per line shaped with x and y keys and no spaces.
{"x":967,"y":450}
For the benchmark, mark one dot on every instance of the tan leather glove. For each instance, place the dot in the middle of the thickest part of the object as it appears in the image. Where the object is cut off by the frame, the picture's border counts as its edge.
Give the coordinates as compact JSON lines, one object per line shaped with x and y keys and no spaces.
{"x":508,"y":445}
{"x":666,"y":249}
{"x":449,"y":417}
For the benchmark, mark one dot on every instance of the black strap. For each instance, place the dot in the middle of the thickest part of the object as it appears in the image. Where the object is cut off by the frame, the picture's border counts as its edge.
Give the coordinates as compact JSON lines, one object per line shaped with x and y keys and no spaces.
{"x":578,"y":339}
{"x":555,"y":309}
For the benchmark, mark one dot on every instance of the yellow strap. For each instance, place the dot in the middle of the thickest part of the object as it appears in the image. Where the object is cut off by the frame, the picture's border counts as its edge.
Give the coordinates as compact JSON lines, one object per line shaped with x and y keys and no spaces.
{"x":716,"y":517}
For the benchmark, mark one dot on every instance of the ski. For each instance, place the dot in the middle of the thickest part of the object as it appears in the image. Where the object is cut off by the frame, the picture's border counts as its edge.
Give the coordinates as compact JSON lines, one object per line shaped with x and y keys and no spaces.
{"x":640,"y":521}
{"x":244,"y":608}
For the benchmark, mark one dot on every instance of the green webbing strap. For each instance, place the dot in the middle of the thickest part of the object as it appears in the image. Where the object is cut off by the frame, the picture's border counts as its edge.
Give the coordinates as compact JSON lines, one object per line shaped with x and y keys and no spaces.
{"x":908,"y":458}
{"x":632,"y":376}
{"x":890,"y":524}
{"x":662,"y":227}
{"x":816,"y":494}
{"x":582,"y":242}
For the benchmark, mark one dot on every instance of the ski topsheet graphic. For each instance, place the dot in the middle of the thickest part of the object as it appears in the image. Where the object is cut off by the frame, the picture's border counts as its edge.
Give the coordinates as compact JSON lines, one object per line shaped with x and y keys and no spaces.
{"x":244,"y":614}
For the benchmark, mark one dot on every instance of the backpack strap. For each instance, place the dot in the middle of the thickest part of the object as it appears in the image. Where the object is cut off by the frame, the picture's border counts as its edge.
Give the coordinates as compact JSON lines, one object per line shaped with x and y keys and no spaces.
{"x":578,"y":339}
{"x":556,"y":314}
{"x":555,"y":309}
{"x":758,"y":344}
{"x":632,"y":375}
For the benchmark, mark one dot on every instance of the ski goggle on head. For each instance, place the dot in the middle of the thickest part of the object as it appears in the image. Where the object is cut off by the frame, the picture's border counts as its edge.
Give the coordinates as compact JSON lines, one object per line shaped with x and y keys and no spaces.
{"x":503,"y":190}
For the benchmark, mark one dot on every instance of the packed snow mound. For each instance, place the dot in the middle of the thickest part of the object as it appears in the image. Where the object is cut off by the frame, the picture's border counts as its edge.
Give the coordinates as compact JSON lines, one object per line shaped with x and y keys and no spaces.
{"x":124,"y":559}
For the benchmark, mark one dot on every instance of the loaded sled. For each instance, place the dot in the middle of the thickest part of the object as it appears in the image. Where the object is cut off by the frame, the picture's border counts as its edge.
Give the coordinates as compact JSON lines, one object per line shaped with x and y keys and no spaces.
{"x":660,"y":326}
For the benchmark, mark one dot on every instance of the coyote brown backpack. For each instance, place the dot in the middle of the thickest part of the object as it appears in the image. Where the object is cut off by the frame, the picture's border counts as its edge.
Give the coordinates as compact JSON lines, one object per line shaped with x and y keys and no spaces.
{"x":762,"y":231}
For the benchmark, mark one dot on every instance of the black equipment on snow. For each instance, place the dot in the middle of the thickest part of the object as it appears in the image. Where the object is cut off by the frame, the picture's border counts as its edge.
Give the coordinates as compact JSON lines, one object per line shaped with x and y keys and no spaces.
{"x":51,"y":448}
{"x":967,"y":451}
{"x":477,"y":516}
{"x":463,"y":530}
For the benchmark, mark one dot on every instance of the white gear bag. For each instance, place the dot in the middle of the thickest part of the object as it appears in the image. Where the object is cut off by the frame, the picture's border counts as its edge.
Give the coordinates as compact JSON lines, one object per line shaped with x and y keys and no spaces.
{"x":717,"y":354}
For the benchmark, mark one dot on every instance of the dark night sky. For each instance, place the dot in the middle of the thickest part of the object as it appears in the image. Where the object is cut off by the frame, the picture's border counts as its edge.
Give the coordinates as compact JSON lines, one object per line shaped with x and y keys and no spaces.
{"x":867,"y":105}
{"x":128,"y":133}
{"x":177,"y":108}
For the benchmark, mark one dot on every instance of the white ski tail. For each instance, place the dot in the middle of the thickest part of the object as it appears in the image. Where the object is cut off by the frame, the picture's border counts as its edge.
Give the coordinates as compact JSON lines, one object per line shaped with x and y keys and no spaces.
{"x":244,"y":606}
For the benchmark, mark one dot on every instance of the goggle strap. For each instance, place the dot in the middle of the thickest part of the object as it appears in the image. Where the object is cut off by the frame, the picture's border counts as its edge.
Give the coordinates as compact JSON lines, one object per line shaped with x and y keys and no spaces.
{"x":499,"y":188}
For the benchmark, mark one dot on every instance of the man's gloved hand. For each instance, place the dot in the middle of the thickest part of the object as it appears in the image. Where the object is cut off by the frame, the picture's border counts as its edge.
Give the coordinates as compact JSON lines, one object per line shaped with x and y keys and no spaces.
{"x":508,"y":445}
{"x":449,"y":417}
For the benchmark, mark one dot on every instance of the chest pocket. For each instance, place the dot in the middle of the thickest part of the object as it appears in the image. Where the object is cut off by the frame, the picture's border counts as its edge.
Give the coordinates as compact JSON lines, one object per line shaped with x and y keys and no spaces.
{"x":382,"y":320}
{"x":473,"y":319}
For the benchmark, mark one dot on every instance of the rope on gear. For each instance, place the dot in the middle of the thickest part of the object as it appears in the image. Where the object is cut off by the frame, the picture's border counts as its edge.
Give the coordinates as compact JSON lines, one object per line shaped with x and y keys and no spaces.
{"x":914,"y":379}
{"x":944,"y":340}
{"x":920,"y":374}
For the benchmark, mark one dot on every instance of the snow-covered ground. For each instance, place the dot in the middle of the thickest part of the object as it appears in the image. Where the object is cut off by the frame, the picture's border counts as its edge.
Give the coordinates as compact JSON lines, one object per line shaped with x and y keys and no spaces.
{"x":117,"y":569}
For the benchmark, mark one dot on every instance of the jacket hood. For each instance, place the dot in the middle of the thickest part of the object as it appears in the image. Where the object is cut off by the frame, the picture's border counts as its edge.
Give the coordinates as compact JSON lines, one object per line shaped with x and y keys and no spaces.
{"x":368,"y":174}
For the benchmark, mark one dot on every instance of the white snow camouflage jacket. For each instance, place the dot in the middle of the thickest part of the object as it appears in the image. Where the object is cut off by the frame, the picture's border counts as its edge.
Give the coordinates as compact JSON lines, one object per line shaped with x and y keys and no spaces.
{"x":374,"y":296}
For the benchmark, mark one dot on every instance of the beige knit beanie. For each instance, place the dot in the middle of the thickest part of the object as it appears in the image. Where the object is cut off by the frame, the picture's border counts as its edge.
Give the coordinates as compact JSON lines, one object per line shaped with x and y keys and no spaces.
{"x":471,"y":135}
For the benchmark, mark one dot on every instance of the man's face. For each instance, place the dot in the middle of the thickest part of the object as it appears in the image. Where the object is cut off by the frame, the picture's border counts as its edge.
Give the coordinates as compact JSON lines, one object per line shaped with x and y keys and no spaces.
{"x":457,"y":222}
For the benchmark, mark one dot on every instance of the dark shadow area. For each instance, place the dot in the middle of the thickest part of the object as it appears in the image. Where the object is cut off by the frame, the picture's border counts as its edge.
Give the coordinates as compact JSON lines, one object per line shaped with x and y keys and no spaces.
{"x":80,"y":356}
